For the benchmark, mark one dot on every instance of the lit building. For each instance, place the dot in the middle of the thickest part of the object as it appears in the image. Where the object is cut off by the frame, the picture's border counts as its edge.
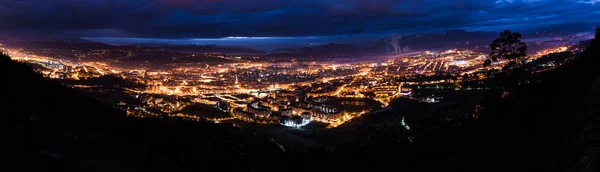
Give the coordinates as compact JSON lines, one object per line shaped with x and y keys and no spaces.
{"x":385,"y":90}
{"x":243,"y":115}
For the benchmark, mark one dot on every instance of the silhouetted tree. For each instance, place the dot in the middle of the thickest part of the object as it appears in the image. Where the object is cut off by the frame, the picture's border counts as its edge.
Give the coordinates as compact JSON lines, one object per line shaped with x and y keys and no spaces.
{"x":487,"y":62}
{"x":509,"y":47}
{"x":4,"y":58}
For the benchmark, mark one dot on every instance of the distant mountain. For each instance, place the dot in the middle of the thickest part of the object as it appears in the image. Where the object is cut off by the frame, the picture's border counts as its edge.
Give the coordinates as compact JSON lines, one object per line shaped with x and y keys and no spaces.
{"x":397,"y":44}
{"x":323,"y":49}
{"x":433,"y":41}
{"x":438,"y":40}
{"x":34,"y":36}
{"x":211,"y":49}
{"x":121,"y":55}
{"x":560,"y":29}
{"x":60,"y":44}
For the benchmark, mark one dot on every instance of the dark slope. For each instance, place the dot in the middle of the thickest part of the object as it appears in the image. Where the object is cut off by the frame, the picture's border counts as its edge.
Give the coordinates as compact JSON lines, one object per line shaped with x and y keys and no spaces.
{"x":579,"y":85}
{"x":549,"y":124}
{"x":55,"y":128}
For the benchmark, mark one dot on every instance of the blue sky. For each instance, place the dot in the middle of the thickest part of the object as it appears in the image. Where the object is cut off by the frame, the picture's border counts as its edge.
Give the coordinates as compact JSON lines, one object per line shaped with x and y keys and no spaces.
{"x":304,"y":20}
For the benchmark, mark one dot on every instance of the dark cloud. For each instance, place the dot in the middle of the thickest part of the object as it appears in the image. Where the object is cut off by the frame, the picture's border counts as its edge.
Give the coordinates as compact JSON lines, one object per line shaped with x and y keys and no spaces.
{"x":223,"y":18}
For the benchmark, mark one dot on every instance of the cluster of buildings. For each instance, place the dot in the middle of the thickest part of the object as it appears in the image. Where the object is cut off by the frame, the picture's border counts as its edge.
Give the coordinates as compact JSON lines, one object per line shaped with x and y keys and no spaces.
{"x":284,"y":108}
{"x":163,"y":104}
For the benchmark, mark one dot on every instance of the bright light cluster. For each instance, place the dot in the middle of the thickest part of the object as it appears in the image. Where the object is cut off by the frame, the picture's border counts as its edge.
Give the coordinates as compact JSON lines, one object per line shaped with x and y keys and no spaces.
{"x":291,"y":123}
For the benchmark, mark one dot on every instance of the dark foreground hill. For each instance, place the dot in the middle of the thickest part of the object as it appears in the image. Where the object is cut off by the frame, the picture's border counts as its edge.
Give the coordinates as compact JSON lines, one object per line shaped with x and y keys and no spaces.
{"x":542,"y":122}
{"x":54,"y":128}
{"x":549,"y":124}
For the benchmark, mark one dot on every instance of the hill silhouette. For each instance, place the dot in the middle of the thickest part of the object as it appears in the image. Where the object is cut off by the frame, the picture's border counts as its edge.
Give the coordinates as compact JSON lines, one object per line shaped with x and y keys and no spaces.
{"x":412,"y":42}
{"x":323,"y":49}
{"x":55,"y":128}
{"x":548,"y":122}
{"x":211,"y":49}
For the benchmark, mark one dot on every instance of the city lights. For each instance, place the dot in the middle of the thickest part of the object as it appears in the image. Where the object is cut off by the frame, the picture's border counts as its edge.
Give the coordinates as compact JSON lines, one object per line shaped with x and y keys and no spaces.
{"x":299,"y":89}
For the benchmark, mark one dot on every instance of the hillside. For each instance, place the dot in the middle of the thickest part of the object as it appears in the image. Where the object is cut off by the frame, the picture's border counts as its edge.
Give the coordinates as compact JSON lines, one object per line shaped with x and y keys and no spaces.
{"x":549,"y":123}
{"x":54,"y":128}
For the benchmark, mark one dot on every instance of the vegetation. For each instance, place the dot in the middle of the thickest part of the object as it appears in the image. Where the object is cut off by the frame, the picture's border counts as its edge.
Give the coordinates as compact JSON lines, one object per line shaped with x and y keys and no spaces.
{"x":509,"y":47}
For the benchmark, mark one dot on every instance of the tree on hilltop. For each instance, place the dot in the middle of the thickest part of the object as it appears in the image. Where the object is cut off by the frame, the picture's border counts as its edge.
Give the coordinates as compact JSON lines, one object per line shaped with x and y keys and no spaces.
{"x":509,"y":47}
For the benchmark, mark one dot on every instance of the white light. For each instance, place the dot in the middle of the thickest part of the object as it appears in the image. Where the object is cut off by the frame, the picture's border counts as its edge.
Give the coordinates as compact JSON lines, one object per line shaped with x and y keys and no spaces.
{"x":290,"y":123}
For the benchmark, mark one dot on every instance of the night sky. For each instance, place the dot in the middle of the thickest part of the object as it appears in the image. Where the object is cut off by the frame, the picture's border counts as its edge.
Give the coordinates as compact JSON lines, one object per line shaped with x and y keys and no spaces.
{"x":283,"y":19}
